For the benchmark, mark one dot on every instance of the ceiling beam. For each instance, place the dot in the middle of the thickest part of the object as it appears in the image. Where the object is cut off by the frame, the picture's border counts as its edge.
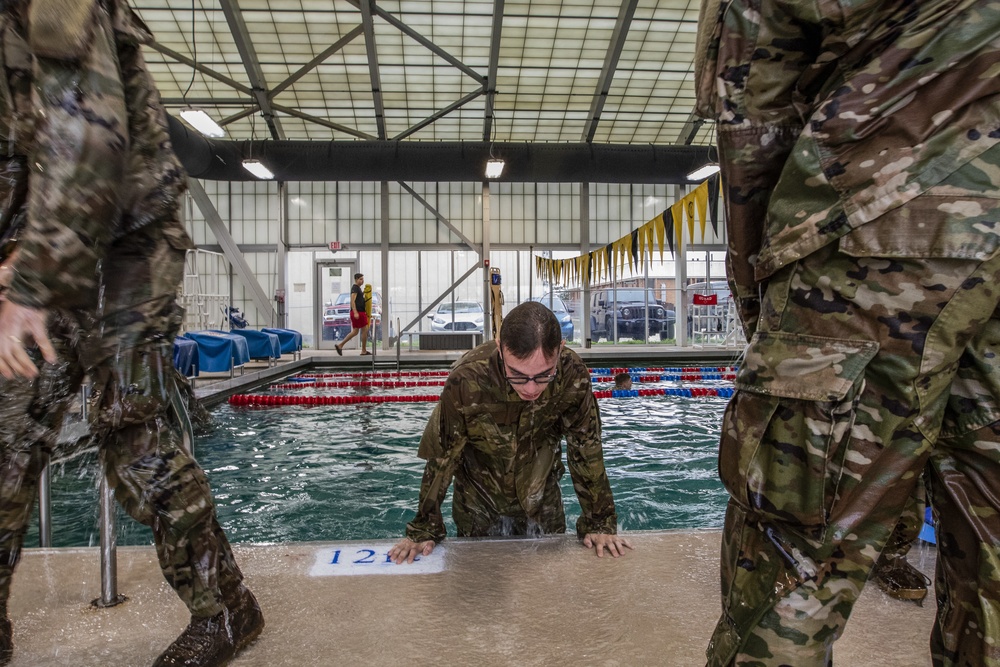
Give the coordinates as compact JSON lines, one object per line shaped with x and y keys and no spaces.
{"x":318,"y":60}
{"x":491,"y":76}
{"x":618,"y":36}
{"x":440,"y":114}
{"x":690,"y":129}
{"x":416,"y":36}
{"x":322,"y":121}
{"x":258,"y":85}
{"x":366,"y":7}
{"x":170,"y":53}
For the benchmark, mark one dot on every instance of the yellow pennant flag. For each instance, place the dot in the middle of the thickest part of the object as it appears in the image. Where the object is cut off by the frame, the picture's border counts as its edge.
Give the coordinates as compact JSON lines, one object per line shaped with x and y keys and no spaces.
{"x":701,"y":202}
{"x":649,"y":239}
{"x":660,"y":228}
{"x":689,"y":214}
{"x":677,"y":212}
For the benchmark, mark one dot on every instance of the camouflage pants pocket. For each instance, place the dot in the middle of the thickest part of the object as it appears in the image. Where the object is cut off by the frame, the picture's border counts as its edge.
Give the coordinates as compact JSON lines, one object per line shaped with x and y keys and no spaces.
{"x":785,"y":432}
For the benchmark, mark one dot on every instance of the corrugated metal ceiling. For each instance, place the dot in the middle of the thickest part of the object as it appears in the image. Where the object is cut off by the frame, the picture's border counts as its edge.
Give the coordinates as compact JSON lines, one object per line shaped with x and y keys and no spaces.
{"x":570,"y":71}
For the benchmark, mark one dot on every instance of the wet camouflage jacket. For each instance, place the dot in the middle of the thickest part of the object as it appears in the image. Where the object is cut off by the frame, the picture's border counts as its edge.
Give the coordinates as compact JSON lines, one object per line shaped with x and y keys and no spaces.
{"x":509,"y":450}
{"x":74,"y":187}
{"x":818,"y":137}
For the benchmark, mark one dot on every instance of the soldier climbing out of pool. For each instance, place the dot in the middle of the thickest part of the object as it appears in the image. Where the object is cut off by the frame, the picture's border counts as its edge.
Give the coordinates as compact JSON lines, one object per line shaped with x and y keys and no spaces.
{"x":90,"y":193}
{"x":497,"y":432}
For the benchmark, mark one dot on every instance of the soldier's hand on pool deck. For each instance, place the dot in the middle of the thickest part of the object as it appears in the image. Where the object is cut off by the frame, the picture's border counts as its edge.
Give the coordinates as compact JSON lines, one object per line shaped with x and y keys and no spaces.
{"x":19,"y":327}
{"x":407,"y":550}
{"x":615,"y":544}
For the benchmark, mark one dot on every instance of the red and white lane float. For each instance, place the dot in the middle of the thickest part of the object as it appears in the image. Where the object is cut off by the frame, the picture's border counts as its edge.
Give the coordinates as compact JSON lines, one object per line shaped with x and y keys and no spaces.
{"x":281,"y":400}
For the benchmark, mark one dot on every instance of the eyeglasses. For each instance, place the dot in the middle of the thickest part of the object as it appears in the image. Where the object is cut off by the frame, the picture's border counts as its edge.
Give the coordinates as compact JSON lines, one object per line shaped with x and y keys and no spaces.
{"x":537,"y":379}
{"x":544,"y":378}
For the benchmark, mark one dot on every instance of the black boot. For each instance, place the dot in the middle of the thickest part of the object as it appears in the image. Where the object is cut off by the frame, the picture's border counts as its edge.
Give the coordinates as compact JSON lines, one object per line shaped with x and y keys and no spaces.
{"x":213,"y":641}
{"x":899,"y":579}
{"x":6,"y":640}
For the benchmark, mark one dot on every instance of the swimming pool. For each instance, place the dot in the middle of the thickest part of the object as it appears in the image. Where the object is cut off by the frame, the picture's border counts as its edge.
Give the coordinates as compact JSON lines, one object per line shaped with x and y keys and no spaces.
{"x":343,"y":472}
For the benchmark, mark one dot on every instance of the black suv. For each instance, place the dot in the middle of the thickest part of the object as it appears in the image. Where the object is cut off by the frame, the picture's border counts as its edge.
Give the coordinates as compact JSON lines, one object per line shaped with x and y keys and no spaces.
{"x":630,"y":307}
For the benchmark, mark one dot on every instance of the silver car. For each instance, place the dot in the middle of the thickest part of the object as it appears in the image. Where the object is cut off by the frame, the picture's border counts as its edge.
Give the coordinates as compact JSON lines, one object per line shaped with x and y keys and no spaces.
{"x":465,"y":316}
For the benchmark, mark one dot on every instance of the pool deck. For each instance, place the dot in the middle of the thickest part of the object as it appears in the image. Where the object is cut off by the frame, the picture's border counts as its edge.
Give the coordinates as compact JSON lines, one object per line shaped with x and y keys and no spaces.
{"x":544,"y":602}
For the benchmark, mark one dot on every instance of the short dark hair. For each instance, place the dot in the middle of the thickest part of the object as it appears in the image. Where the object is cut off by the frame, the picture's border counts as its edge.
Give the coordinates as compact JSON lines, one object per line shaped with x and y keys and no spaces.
{"x":358,"y":275}
{"x":530,"y":327}
{"x":621,"y":378}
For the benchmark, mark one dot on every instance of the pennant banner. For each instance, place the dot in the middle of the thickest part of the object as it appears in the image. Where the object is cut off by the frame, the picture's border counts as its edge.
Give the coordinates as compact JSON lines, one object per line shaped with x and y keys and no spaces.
{"x":632,"y":251}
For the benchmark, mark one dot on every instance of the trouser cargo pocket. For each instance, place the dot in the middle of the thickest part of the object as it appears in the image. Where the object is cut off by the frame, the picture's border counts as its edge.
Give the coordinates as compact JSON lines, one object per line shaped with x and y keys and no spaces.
{"x":787,"y":429}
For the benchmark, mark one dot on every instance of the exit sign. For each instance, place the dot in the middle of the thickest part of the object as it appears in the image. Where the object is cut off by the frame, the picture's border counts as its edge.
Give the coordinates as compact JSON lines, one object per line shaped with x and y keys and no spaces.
{"x":335,"y":245}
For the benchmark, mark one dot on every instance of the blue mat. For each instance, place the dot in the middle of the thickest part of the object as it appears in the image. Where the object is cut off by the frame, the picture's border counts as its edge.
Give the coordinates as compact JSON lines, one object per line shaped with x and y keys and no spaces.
{"x":262,"y":345}
{"x":186,"y":356}
{"x":219,"y":350}
{"x":927,"y":532}
{"x":290,"y":339}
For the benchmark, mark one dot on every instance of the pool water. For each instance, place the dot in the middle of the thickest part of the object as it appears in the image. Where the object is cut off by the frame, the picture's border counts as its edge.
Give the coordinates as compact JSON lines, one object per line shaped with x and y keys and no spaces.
{"x":321,"y":473}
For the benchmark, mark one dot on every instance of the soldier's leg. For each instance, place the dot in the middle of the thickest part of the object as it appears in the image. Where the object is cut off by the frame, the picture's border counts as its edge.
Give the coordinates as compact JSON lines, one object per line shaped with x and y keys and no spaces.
{"x":841,"y":393}
{"x":160,"y":485}
{"x":31,"y":416}
{"x":909,"y":525}
{"x":893,"y":572}
{"x":154,"y":480}
{"x":964,"y":488}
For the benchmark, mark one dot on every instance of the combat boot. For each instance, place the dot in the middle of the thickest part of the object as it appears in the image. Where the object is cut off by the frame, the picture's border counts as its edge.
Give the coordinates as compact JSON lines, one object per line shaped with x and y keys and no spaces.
{"x":6,"y":640}
{"x":899,"y":579}
{"x":213,"y":641}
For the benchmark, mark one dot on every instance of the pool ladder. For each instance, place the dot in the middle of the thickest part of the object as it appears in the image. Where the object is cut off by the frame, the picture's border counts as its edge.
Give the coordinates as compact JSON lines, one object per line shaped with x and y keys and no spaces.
{"x":384,"y":365}
{"x":109,"y":534}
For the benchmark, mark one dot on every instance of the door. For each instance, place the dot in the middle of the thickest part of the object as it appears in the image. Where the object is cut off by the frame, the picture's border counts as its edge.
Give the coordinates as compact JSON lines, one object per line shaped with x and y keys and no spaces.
{"x":333,"y":281}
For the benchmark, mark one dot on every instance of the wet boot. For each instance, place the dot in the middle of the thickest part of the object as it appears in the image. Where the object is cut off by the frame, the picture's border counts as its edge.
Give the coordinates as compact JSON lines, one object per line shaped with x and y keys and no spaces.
{"x":899,"y":579}
{"x":6,"y":640}
{"x":213,"y":641}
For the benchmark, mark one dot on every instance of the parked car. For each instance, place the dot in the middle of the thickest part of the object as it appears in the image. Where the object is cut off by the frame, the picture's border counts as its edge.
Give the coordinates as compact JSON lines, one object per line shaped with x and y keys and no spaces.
{"x":337,"y":317}
{"x":562,"y":313}
{"x":466,"y":316}
{"x":629,"y":308}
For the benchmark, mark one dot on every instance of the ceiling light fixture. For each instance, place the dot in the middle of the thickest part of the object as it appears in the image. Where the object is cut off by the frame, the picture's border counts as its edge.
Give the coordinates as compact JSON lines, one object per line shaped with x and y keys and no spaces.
{"x":494,"y":167}
{"x":201,"y":121}
{"x":257,"y":168}
{"x":703,"y":172}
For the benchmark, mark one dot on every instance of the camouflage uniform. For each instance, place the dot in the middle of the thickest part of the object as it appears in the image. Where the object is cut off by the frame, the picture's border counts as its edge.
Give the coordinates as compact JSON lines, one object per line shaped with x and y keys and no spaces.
{"x":505,"y":453}
{"x":89,"y":174}
{"x":860,"y":157}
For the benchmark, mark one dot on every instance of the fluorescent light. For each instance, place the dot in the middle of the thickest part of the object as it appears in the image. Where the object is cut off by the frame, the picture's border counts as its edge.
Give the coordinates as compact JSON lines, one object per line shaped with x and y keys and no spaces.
{"x":201,"y":121}
{"x":257,"y":168}
{"x":494,"y":168}
{"x":701,"y":173}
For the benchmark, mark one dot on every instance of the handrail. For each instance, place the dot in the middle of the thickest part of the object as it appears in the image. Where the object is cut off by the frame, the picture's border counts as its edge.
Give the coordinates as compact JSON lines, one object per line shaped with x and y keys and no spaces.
{"x":109,"y":533}
{"x":45,"y":508}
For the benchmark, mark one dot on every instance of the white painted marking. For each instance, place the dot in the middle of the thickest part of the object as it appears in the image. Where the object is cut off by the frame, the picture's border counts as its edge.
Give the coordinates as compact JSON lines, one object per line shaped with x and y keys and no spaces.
{"x":360,"y":559}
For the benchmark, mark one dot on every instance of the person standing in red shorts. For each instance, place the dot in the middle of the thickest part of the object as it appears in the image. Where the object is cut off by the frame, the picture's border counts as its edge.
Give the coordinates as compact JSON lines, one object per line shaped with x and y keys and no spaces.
{"x":359,"y":316}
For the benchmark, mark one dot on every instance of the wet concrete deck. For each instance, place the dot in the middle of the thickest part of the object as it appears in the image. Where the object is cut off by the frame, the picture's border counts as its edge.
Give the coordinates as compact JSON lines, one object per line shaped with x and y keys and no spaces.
{"x":545,"y":602}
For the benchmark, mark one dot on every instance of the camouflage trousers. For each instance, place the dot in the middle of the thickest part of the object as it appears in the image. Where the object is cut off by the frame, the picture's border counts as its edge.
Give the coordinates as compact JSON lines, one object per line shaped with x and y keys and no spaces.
{"x":909,"y":525}
{"x":864,"y":372}
{"x":478,"y":513}
{"x":130,"y":366}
